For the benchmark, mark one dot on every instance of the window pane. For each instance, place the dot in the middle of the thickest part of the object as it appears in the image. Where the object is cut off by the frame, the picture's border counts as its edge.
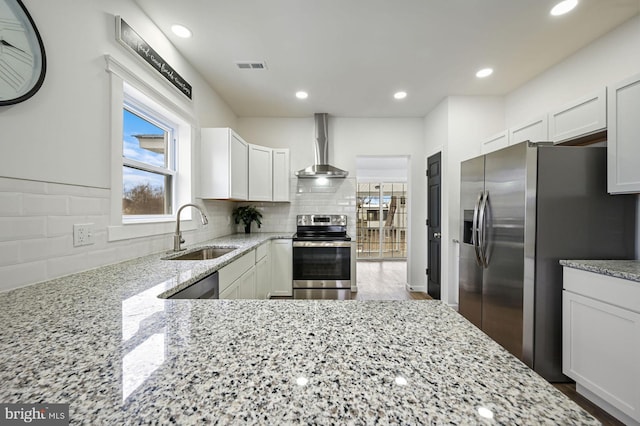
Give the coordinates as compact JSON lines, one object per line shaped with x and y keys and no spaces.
{"x":144,"y":141}
{"x":144,"y":192}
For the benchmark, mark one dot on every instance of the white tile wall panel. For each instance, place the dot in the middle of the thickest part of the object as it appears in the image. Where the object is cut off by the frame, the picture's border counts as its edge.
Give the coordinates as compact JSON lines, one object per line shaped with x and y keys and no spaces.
{"x":43,"y":205}
{"x":45,"y":248}
{"x":80,"y":191}
{"x":22,"y":274}
{"x":62,"y":225}
{"x":87,"y":206}
{"x":10,"y":204}
{"x":18,"y":228}
{"x":65,"y":265}
{"x":99,"y":258}
{"x":9,"y":253}
{"x":22,"y":186}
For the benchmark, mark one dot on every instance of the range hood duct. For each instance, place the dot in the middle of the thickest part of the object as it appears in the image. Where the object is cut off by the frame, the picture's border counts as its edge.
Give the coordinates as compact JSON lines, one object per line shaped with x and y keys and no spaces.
{"x":321,"y":168}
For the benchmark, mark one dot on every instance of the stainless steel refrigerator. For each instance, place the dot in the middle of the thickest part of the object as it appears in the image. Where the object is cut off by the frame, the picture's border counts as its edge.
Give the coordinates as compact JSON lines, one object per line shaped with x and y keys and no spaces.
{"x":523,"y":208}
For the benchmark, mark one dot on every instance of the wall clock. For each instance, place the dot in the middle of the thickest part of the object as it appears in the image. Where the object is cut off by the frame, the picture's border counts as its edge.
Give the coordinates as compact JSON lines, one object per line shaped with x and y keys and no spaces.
{"x":22,"y":58}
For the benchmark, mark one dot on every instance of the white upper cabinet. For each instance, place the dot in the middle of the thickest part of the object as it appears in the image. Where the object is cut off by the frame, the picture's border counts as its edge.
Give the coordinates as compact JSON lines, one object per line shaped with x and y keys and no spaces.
{"x":581,"y":117}
{"x":495,"y":142}
{"x":533,"y":131}
{"x":260,"y":173}
{"x":623,"y":136}
{"x":224,"y":165}
{"x":281,"y":171}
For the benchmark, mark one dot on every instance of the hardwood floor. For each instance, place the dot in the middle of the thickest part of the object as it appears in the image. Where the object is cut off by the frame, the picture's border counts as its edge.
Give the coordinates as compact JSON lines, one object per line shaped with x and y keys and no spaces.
{"x":384,"y":280}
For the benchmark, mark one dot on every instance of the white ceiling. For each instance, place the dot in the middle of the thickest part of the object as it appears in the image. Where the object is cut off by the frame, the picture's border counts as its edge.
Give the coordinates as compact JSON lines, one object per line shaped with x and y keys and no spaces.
{"x":352,"y":55}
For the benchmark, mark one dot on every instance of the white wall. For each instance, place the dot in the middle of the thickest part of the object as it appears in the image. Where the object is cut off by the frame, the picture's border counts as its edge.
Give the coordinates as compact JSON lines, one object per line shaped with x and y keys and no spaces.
{"x":349,"y":138}
{"x":610,"y":58}
{"x":55,"y":153}
{"x":455,"y":127}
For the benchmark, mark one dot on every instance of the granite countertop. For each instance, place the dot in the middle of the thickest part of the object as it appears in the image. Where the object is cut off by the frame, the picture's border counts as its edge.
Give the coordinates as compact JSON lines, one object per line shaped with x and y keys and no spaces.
{"x":625,"y":269}
{"x":103,"y":342}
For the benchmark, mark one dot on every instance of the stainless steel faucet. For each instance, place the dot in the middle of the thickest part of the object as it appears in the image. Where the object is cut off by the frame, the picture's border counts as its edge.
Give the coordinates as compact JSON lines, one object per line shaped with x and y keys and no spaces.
{"x":177,"y":237}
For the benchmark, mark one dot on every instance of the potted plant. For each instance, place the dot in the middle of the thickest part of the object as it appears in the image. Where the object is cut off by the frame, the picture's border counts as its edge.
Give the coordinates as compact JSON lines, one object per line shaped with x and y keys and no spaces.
{"x":246,"y":215}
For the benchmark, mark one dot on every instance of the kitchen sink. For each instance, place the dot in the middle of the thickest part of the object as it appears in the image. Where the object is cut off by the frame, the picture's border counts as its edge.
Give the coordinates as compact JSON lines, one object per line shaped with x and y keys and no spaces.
{"x":204,"y":253}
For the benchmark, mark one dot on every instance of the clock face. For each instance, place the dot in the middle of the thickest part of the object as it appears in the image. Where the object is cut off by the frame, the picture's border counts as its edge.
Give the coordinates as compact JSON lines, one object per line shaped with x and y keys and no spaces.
{"x":22,"y":58}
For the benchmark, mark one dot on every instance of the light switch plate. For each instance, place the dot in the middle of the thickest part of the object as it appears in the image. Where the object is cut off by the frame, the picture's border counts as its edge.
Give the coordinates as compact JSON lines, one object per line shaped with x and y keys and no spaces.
{"x":82,"y":234}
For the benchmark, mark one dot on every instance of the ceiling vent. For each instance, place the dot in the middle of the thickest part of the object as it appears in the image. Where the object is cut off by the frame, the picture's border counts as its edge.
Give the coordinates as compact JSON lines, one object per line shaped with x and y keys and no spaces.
{"x":251,"y":65}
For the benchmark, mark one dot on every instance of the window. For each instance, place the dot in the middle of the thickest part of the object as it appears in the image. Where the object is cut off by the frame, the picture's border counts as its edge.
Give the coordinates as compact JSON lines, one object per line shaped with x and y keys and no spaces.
{"x":149,"y":167}
{"x":151,"y":137}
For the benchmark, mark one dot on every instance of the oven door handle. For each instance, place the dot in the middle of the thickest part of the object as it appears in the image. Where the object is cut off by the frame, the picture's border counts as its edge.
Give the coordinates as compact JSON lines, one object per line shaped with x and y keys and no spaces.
{"x":329,"y":244}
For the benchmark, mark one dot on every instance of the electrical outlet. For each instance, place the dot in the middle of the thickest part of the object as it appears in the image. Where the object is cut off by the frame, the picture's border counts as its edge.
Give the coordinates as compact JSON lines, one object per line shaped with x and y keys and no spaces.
{"x":82,"y":234}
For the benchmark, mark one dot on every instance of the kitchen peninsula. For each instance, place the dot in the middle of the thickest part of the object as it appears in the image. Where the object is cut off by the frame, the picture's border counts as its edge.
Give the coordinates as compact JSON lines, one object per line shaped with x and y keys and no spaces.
{"x":102,"y":341}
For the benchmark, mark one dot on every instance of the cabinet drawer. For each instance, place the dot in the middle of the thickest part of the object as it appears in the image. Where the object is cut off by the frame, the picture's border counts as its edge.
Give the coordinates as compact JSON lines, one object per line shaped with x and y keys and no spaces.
{"x":262,"y":250}
{"x":235,"y":269}
{"x":616,"y":291}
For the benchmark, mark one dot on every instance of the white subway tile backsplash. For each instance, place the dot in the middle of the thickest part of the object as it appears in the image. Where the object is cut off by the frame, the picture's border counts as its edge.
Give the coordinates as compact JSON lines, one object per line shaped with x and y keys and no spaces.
{"x":22,"y":186}
{"x":18,"y":228}
{"x":87,"y":206}
{"x":10,"y":204}
{"x":65,"y":265}
{"x":44,"y":205}
{"x":9,"y":253}
{"x":22,"y":274}
{"x":62,"y":225}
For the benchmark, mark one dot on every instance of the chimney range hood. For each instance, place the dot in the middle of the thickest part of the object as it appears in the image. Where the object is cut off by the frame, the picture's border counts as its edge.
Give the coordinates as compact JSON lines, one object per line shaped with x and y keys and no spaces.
{"x":321,"y":168}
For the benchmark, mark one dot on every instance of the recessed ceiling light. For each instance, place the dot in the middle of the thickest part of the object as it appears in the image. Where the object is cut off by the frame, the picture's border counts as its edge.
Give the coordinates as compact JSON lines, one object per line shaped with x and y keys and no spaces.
{"x":484,"y":72}
{"x":563,"y":7}
{"x":400,"y":95}
{"x":302,"y":94}
{"x":181,"y":31}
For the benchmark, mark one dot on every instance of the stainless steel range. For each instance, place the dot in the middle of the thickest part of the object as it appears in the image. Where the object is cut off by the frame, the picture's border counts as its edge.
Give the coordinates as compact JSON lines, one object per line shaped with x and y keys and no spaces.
{"x":321,"y":258}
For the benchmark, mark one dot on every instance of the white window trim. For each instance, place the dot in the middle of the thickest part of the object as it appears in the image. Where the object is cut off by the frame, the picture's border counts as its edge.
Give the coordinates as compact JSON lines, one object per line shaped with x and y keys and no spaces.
{"x":169,"y":106}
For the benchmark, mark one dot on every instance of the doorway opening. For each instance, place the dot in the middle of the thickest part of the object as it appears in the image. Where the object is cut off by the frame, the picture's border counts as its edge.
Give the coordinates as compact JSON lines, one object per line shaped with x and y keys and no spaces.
{"x":382,"y":207}
{"x":382,"y":220}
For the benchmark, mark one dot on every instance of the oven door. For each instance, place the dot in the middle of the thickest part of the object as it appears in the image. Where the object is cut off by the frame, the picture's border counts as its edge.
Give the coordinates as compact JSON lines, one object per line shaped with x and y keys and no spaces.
{"x":322,"y":264}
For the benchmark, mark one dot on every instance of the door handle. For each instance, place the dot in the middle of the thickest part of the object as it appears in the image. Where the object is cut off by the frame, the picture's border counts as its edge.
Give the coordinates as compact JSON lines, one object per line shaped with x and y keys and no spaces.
{"x":482,"y":230}
{"x":474,"y":229}
{"x":437,"y":235}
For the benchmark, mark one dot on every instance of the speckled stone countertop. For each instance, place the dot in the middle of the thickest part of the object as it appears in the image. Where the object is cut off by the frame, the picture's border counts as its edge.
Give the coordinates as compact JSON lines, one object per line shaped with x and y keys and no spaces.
{"x":103,"y":342}
{"x":625,"y":269}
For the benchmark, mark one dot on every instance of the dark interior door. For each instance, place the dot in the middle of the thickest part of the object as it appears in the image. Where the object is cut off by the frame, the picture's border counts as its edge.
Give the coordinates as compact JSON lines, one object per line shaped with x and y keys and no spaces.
{"x":434,"y":174}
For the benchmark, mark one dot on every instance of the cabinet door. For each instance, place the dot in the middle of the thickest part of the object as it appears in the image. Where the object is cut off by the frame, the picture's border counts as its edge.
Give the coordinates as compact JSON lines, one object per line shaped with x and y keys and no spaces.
{"x":260,"y":175}
{"x":533,"y":131}
{"x":247,"y":284}
{"x":623,"y":144}
{"x":601,"y":349}
{"x":281,"y":172}
{"x":495,"y":142}
{"x":263,"y":277}
{"x":231,"y":292}
{"x":581,"y":117}
{"x":239,"y":167}
{"x":281,"y":268}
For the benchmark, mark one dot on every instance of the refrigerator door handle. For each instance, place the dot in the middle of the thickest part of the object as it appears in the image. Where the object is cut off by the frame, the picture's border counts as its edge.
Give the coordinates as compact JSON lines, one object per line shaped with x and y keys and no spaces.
{"x":475,"y":230}
{"x":482,"y":231}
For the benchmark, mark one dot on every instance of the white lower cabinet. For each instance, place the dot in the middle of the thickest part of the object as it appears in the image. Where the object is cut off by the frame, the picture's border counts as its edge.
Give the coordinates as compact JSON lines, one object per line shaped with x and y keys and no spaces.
{"x":263,"y":270}
{"x":281,"y":268}
{"x":601,"y":340}
{"x":237,"y":280}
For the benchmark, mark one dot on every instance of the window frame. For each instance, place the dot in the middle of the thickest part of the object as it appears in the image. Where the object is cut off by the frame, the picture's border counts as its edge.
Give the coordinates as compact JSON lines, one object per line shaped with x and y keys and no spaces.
{"x":165,"y":103}
{"x":144,"y":111}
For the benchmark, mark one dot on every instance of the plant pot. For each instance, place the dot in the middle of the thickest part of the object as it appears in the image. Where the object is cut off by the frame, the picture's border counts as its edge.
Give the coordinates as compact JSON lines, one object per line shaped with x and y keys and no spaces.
{"x":247,"y":229}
